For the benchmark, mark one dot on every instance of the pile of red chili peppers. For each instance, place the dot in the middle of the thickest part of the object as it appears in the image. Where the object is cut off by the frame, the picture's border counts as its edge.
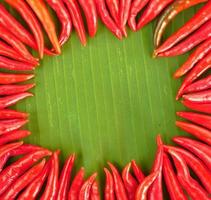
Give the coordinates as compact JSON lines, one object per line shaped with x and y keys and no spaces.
{"x":35,"y":174}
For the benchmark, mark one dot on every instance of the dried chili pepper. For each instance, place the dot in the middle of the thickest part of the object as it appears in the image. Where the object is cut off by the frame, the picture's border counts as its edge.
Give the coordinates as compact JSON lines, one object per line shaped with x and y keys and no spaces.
{"x":12,"y":114}
{"x":129,"y":181}
{"x":173,"y":186}
{"x":109,"y":187}
{"x":197,"y":131}
{"x":64,"y":178}
{"x":77,"y":19}
{"x":85,"y":192}
{"x":153,"y":9}
{"x":194,"y":58}
{"x":106,"y":19}
{"x":14,"y":78}
{"x":197,"y":71}
{"x":16,"y":169}
{"x":64,"y":18}
{"x":51,"y":188}
{"x":202,"y":16}
{"x":90,"y":12}
{"x":136,"y":7}
{"x":142,"y":191}
{"x":118,"y":184}
{"x":13,"y":99}
{"x":40,"y":9}
{"x":200,"y":149}
{"x":76,"y":185}
{"x":169,"y":14}
{"x":113,"y":7}
{"x":13,"y":191}
{"x":95,"y":195}
{"x":137,"y":171}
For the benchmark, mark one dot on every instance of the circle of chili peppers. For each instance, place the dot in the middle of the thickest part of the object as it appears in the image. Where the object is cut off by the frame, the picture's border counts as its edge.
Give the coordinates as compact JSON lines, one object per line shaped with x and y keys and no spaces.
{"x":38,"y":167}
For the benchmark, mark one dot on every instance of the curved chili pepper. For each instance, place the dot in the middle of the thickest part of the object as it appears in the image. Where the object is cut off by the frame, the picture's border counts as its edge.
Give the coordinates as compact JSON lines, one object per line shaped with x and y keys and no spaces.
{"x":64,"y":178}
{"x":13,"y":99}
{"x":32,"y":190}
{"x":202,"y":16}
{"x":142,"y":191}
{"x":90,"y":12}
{"x":196,"y":165}
{"x":113,"y":7}
{"x":40,"y":9}
{"x":95,"y":195}
{"x":173,"y":186}
{"x":16,"y":169}
{"x":14,"y":135}
{"x":12,"y":114}
{"x":118,"y":184}
{"x":200,"y":35}
{"x":153,"y":9}
{"x":51,"y":188}
{"x":192,"y":187}
{"x":137,"y":171}
{"x":23,"y":181}
{"x":169,"y":14}
{"x":64,"y":18}
{"x":77,"y":19}
{"x":14,"y":78}
{"x":129,"y":181}
{"x":197,"y":131}
{"x":201,"y":150}
{"x":200,"y":119}
{"x":76,"y":185}
{"x":85,"y":192}
{"x":106,"y":19}
{"x":194,"y":58}
{"x":136,"y":7}
{"x":197,"y":71}
{"x":109,"y":187}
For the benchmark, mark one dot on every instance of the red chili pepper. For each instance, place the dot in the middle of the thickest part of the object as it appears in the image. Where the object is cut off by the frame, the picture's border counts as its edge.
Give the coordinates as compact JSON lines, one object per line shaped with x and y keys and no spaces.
{"x":142,"y":191}
{"x":90,"y":12}
{"x":200,"y":35}
{"x":13,"y":99}
{"x":169,"y":14}
{"x":76,"y":185}
{"x":192,"y":187}
{"x":197,"y":71}
{"x":106,"y":19}
{"x":40,"y":9}
{"x":33,"y":189}
{"x":64,"y":18}
{"x":129,"y":181}
{"x":5,"y":149}
{"x":85,"y":192}
{"x":198,"y":167}
{"x":113,"y":6}
{"x":109,"y":187}
{"x":137,"y":171}
{"x":156,"y":190}
{"x":173,"y":186}
{"x":197,"y":131}
{"x":136,"y":7}
{"x":95,"y":195}
{"x":14,"y":89}
{"x":201,"y":150}
{"x":205,"y":108}
{"x":14,"y":78}
{"x":200,"y":119}
{"x":153,"y":9}
{"x":194,"y":58}
{"x":12,"y":114}
{"x":118,"y":184}
{"x":64,"y":178}
{"x":14,"y":135}
{"x":77,"y":19}
{"x":202,"y":16}
{"x":16,"y":169}
{"x":51,"y":188}
{"x":13,"y":191}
